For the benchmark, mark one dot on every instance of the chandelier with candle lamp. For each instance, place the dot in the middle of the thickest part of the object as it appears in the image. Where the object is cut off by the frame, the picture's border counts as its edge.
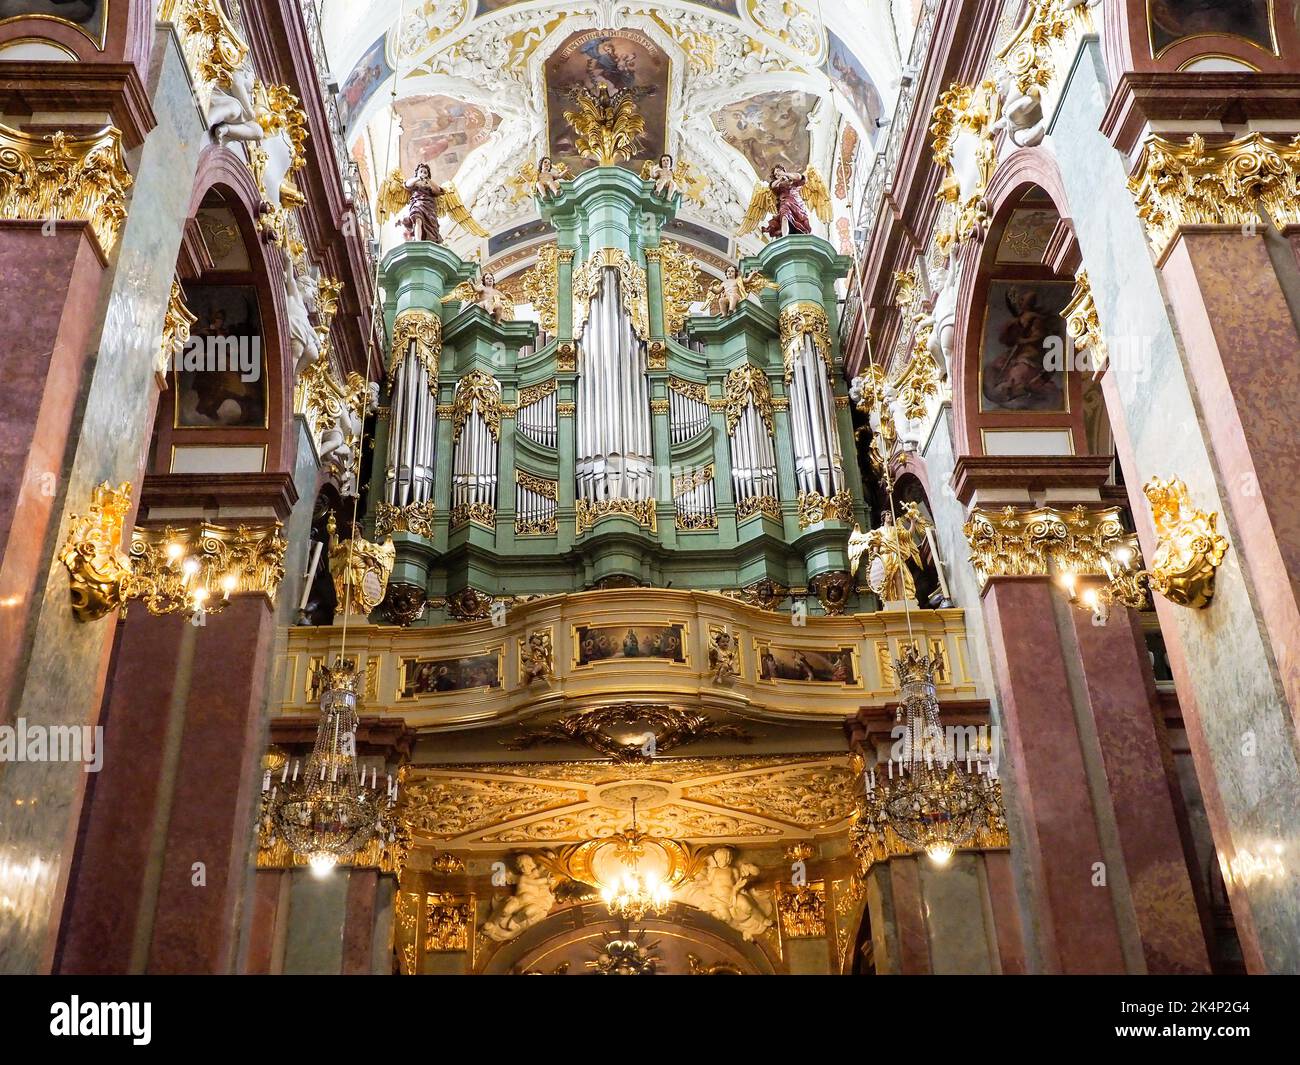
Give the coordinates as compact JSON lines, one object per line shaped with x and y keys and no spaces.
{"x":632,"y":894}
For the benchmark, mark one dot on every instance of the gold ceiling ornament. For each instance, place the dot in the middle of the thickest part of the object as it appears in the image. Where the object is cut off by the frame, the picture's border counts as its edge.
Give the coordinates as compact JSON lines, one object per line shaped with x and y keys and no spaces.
{"x":445,"y":864}
{"x":360,"y":570}
{"x":477,"y":390}
{"x":443,"y":808}
{"x":62,"y":178}
{"x":541,"y":288}
{"x":1034,"y":543}
{"x":802,"y":910}
{"x":800,"y":319}
{"x":680,"y":284}
{"x":608,"y":125}
{"x":588,"y":278}
{"x":589,"y":512}
{"x":747,"y":384}
{"x":965,"y":110}
{"x":1190,"y":183}
{"x":1189,"y":549}
{"x":195,"y":570}
{"x":815,"y":508}
{"x":420,"y":331}
{"x":1082,"y":324}
{"x":1044,"y":37}
{"x":211,"y":44}
{"x":814,"y":796}
{"x":98,"y":573}
{"x":414,"y":518}
{"x":177,"y":323}
{"x":601,"y":729}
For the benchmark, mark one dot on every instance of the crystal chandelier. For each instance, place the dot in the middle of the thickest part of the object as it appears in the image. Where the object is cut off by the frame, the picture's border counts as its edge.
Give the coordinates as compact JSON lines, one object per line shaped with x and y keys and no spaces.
{"x":928,"y":801}
{"x":325,"y":810}
{"x":632,"y":895}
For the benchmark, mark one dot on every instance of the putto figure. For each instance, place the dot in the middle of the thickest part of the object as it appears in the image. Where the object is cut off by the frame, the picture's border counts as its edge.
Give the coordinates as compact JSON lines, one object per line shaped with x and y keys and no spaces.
{"x":484,"y":293}
{"x":726,"y":295}
{"x":533,"y":897}
{"x":537,"y":657}
{"x":671,"y":179}
{"x":784,"y":200}
{"x":425,"y":201}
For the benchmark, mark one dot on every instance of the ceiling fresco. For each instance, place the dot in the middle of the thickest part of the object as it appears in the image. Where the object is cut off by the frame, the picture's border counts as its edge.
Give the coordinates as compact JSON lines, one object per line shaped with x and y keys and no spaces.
{"x":769,"y":129}
{"x":441,"y":131}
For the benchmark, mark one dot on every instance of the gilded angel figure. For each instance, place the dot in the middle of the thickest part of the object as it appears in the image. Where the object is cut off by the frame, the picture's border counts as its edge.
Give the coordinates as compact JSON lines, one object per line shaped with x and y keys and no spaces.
{"x":484,"y":293}
{"x":889,"y":548}
{"x":726,"y":295}
{"x":670,"y":179}
{"x":425,"y":201}
{"x":541,"y":179}
{"x":784,"y":200}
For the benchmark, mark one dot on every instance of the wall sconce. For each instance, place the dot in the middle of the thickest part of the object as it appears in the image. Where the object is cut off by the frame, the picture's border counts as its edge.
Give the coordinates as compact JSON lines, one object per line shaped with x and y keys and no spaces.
{"x":1125,"y":582}
{"x":1189,"y":548}
{"x":97,"y":571}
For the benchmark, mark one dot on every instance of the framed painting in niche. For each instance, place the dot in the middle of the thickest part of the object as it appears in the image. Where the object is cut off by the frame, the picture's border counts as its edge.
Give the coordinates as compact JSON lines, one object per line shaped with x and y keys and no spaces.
{"x":219,"y":379}
{"x":88,"y":16}
{"x":1172,"y":21}
{"x":1023,"y":350}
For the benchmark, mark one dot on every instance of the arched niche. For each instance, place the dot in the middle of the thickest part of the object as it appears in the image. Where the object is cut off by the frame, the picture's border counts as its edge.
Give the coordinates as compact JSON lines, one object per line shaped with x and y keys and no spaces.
{"x":1200,"y":35}
{"x":212,"y":419}
{"x":565,"y":942}
{"x":93,"y":31}
{"x":1017,"y":388}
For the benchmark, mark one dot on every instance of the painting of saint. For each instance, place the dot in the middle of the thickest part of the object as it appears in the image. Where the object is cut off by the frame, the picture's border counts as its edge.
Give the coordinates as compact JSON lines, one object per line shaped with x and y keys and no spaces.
{"x":599,"y":644}
{"x":370,"y":72}
{"x":1022,"y":329}
{"x":1174,"y":20}
{"x":87,"y":15}
{"x":219,"y":383}
{"x":851,"y":78}
{"x":770,"y":129}
{"x":441,"y":132}
{"x":619,"y":60}
{"x":437,"y":676}
{"x":799,"y":664}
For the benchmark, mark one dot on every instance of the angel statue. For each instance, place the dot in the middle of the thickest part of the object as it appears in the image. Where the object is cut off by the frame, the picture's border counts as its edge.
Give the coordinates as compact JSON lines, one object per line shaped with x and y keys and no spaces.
{"x":669,"y":180}
{"x":889,"y":549}
{"x":533,"y":897}
{"x":484,"y":293}
{"x":726,"y":295}
{"x":425,"y":200}
{"x":724,"y":657}
{"x":537,"y":657}
{"x":549,"y":174}
{"x":780,"y":198}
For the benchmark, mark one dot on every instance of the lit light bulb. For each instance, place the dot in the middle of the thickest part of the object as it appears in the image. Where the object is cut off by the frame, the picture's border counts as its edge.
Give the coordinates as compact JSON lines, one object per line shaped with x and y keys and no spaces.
{"x":200,"y":595}
{"x":321,"y":863}
{"x":1067,"y":582}
{"x":940,"y":853}
{"x":174,"y":551}
{"x":228,"y":583}
{"x":1123,"y":555}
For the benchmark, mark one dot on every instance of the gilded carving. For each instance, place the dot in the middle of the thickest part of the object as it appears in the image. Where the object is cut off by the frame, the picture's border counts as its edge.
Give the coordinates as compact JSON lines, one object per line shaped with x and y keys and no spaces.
{"x":415,"y":518}
{"x":59,"y":177}
{"x":419,"y":331}
{"x":965,"y":111}
{"x":747,"y":384}
{"x":798,"y":320}
{"x":447,"y":922}
{"x":361,"y":570}
{"x":590,"y":276}
{"x":680,"y":285}
{"x":176,"y":330}
{"x":803,"y":911}
{"x":537,"y":657}
{"x":752,"y":506}
{"x":1082,"y":325}
{"x":1021,"y":543}
{"x":1189,"y":549}
{"x":98,"y":573}
{"x":477,"y":390}
{"x":541,"y":287}
{"x":815,"y":508}
{"x":201,"y":567}
{"x":598,"y":729}
{"x":641,"y":511}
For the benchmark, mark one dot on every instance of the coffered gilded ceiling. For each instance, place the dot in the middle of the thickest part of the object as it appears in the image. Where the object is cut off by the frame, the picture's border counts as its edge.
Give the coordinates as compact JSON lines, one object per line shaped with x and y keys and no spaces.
{"x":764,"y":799}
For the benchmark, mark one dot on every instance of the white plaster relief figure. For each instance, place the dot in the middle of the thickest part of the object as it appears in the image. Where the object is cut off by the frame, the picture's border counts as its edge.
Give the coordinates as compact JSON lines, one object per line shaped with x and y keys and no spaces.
{"x":532,"y":900}
{"x":721,"y":889}
{"x":304,"y":343}
{"x":338,"y":443}
{"x":231,"y":114}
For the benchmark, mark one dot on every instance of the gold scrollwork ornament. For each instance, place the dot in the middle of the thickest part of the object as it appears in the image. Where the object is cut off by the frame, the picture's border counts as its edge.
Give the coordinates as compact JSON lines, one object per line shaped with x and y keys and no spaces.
{"x":1189,"y":549}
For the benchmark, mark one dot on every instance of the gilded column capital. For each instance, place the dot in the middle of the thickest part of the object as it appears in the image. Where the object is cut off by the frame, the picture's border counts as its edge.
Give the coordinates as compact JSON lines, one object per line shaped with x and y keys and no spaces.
{"x":60,"y":177}
{"x":1044,"y":541}
{"x":1189,"y":183}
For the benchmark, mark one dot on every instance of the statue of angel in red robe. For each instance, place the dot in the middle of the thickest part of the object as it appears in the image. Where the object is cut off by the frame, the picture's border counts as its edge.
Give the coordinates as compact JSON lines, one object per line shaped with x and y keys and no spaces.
{"x":784,"y":200}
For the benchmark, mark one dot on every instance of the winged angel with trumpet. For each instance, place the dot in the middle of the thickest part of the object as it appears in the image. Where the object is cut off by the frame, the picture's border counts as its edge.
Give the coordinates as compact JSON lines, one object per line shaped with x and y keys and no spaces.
{"x":425,"y":201}
{"x":784,"y":200}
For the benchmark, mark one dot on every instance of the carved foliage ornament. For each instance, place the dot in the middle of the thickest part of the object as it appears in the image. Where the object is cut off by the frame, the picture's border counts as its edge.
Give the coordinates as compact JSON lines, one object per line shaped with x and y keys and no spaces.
{"x":1190,"y":548}
{"x":177,"y":323}
{"x":589,"y":277}
{"x":680,"y":285}
{"x":1082,"y":325}
{"x":815,"y":508}
{"x":541,"y":288}
{"x":419,"y":331}
{"x":1048,"y":30}
{"x":212,"y":45}
{"x":415,"y":518}
{"x":599,"y":729}
{"x":66,"y":178}
{"x":1189,"y":183}
{"x":477,"y":390}
{"x":801,"y":319}
{"x":963,"y":125}
{"x":1011,"y":542}
{"x":747,"y":384}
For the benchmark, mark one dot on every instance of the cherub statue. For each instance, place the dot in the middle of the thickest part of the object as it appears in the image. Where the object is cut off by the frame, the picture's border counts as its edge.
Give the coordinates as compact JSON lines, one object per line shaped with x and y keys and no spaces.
{"x":724,"y":657}
{"x":781,"y":201}
{"x":425,"y":201}
{"x":537,"y":657}
{"x":532,"y":900}
{"x":726,"y":295}
{"x":545,"y":178}
{"x":669,"y":180}
{"x":304,"y":341}
{"x":721,"y":889}
{"x":889,"y":548}
{"x":338,"y":443}
{"x":232,"y":115}
{"x":484,"y":293}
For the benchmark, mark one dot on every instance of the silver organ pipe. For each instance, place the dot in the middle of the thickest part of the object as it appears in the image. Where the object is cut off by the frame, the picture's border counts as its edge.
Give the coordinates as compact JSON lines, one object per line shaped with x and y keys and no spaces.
{"x":695,"y":500}
{"x":474,"y":460}
{"x":615,"y":459}
{"x":819,"y":466}
{"x":412,"y":413}
{"x":753,"y":456}
{"x":537,"y":420}
{"x":687,"y":416}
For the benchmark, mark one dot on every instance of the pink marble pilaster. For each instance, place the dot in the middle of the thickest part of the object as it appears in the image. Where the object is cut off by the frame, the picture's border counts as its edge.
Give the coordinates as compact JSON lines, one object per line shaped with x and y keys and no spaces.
{"x":359,"y":925}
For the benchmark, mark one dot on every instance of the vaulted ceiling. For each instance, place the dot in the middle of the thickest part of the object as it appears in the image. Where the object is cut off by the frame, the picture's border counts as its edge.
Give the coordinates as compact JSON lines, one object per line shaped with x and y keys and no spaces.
{"x":731,"y":86}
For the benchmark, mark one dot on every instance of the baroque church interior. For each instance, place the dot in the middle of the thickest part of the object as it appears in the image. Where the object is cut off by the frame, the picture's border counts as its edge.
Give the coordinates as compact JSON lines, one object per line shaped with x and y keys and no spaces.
{"x":702,"y":487}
